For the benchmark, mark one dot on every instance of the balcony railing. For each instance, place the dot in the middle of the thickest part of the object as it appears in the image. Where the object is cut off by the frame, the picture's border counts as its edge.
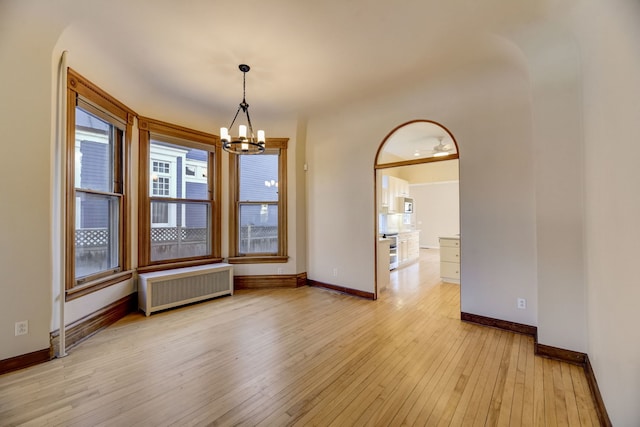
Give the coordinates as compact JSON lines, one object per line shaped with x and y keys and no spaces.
{"x":97,"y":237}
{"x":175,"y":242}
{"x":258,"y":239}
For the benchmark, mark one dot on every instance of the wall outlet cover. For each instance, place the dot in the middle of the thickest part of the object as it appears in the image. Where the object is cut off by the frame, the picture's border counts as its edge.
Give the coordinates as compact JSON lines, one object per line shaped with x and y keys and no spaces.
{"x":22,"y":327}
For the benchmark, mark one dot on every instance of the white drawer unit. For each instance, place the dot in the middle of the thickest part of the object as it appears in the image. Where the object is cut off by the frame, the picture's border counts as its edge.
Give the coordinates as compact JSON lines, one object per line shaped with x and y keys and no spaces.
{"x":450,"y":242}
{"x":449,"y":254}
{"x":450,"y":272}
{"x":450,"y":259}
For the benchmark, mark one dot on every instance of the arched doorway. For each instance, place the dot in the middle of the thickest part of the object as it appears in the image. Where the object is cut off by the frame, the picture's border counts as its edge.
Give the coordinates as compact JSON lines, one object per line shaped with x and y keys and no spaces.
{"x":416,"y":145}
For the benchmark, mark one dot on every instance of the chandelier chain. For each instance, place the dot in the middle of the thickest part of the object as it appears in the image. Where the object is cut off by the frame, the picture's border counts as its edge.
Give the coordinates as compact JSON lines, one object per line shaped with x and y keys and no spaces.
{"x":244,"y":106}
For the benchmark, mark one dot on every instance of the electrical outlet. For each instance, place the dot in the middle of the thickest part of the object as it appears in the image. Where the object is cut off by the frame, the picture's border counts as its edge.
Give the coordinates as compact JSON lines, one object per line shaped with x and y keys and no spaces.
{"x":335,"y":271}
{"x":522,"y":303}
{"x":22,"y":327}
{"x":279,"y":270}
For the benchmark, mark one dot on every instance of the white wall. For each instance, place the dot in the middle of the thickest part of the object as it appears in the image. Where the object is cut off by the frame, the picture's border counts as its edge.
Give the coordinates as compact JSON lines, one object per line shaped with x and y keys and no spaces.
{"x":25,"y":119}
{"x":553,"y":64}
{"x":608,"y":34}
{"x":487,"y":108}
{"x":437,"y":211}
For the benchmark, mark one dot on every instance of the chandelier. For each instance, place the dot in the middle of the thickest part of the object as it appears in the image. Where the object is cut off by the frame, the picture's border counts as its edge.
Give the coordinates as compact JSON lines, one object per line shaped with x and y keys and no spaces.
{"x":243,"y":143}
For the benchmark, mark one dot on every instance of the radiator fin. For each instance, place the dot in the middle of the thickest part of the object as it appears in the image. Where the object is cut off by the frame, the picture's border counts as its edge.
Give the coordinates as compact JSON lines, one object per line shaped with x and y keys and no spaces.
{"x":185,"y":288}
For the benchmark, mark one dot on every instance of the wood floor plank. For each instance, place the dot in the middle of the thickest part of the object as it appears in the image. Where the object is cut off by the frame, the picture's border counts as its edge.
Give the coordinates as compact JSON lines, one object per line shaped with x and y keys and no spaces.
{"x":338,"y":402}
{"x":474,"y":414}
{"x":528,"y":416}
{"x":562,"y":417}
{"x":434,"y":408}
{"x":540,"y":397}
{"x":463,"y":407}
{"x":569,"y":396}
{"x":455,"y":396}
{"x":304,"y":356}
{"x":327,"y":392}
{"x":550,"y":397}
{"x":517,"y":404}
{"x":509,"y":390}
{"x":586,"y":412}
{"x":422,"y":375}
{"x":494,"y":386}
{"x":435,"y":385}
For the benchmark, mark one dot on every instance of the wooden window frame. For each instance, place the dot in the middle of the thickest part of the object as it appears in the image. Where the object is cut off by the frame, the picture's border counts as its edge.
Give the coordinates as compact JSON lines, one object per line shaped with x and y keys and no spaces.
{"x":234,"y":194}
{"x":78,"y":87}
{"x":195,"y":139}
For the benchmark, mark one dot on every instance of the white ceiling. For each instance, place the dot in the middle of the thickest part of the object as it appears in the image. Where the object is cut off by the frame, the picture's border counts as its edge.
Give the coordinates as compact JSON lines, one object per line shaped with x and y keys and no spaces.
{"x":414,"y":141}
{"x":304,"y":55}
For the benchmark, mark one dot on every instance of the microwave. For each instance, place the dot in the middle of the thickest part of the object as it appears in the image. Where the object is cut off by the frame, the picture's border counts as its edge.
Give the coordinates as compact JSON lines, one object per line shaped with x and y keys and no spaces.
{"x":405,"y":205}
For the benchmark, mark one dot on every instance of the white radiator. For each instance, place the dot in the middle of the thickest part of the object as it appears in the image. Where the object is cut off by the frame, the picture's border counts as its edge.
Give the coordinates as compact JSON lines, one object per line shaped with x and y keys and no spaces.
{"x":160,"y":290}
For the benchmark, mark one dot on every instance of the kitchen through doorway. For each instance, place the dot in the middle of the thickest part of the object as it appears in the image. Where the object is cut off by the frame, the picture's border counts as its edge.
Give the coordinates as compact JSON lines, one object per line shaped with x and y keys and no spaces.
{"x":417,"y":206}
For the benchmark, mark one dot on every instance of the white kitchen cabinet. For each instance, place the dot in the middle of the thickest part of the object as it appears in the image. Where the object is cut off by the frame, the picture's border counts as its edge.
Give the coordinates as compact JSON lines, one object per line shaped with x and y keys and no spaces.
{"x":391,"y":188}
{"x":394,"y":188}
{"x":383,"y":278}
{"x":403,"y":249}
{"x":403,"y":188}
{"x":383,"y":193}
{"x":414,"y":245}
{"x":408,"y":247}
{"x":450,"y":259}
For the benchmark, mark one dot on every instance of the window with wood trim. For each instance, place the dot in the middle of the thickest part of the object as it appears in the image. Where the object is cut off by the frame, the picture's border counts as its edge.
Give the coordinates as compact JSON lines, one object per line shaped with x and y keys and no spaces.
{"x":179,"y":209}
{"x":258,"y":191}
{"x":98,"y":140}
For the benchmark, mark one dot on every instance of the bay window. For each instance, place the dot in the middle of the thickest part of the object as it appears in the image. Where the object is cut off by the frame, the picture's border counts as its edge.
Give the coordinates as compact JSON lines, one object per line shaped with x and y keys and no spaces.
{"x":258,"y":188}
{"x":98,"y":135}
{"x":179,"y":212}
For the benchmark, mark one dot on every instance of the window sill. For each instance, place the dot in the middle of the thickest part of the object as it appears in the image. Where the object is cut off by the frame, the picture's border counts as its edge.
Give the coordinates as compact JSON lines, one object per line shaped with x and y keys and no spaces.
{"x":96,"y":285}
{"x":259,"y":259}
{"x":177,"y":264}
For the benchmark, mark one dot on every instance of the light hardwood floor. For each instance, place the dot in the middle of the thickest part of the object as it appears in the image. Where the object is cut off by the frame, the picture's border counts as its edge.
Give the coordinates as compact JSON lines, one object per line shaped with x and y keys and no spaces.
{"x":304,"y":356}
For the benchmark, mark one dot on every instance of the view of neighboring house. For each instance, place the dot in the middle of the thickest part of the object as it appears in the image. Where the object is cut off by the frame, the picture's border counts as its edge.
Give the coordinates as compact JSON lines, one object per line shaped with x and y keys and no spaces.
{"x":176,"y":172}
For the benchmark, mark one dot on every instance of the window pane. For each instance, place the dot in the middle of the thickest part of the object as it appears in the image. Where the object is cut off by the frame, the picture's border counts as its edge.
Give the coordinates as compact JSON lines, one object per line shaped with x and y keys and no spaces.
{"x":161,"y":186}
{"x":97,"y":225}
{"x":94,"y":152}
{"x":258,"y":228}
{"x":186,"y":232}
{"x":159,"y":213}
{"x":178,"y":171}
{"x":259,"y":178}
